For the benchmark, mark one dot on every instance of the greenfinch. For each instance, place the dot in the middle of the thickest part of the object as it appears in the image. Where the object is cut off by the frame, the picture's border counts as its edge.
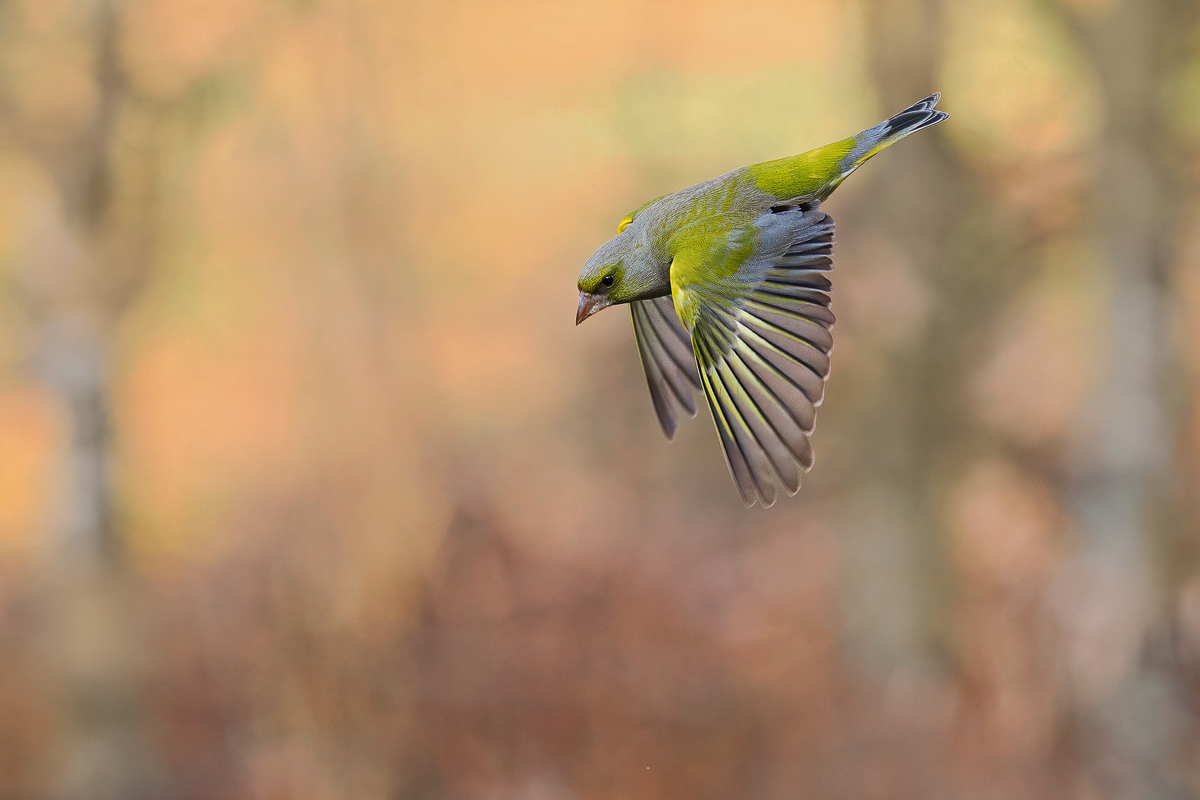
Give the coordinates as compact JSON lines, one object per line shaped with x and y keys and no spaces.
{"x":728,"y":282}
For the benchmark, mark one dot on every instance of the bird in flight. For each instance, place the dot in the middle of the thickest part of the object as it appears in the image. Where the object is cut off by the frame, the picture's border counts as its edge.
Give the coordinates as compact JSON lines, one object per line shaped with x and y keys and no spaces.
{"x":729,"y":286}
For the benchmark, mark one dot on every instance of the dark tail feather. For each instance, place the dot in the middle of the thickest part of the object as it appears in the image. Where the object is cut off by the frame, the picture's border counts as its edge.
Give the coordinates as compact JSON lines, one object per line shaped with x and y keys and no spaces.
{"x":916,"y":117}
{"x":919,"y":115}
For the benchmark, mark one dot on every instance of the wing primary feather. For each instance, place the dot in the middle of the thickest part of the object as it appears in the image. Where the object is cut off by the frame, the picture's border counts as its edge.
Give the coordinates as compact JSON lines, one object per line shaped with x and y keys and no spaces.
{"x":776,"y":398}
{"x":804,"y":351}
{"x":749,"y":448}
{"x":654,"y":377}
{"x":799,"y":280}
{"x":761,"y":470}
{"x":759,"y":409}
{"x":680,"y":343}
{"x":821,"y":243}
{"x":800,"y":374}
{"x":778,"y":392}
{"x":792,"y":398}
{"x":794,"y":305}
{"x":814,"y":303}
{"x":729,"y":447}
{"x":817,"y":262}
{"x":676,"y":380}
{"x":676,"y":344}
{"x":796,"y":324}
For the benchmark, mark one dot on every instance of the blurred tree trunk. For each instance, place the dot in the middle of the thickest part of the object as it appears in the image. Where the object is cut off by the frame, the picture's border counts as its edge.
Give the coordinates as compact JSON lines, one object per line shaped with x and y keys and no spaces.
{"x":932,"y":208}
{"x":1118,"y":485}
{"x":1122,"y":451}
{"x":84,"y":268}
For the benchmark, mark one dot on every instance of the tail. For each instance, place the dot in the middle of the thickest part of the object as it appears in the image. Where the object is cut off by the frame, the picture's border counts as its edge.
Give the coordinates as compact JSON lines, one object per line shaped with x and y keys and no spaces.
{"x":916,"y":117}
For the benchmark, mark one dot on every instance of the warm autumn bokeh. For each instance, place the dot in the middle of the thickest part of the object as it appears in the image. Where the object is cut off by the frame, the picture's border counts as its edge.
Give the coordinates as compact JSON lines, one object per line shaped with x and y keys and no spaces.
{"x":310,"y":487}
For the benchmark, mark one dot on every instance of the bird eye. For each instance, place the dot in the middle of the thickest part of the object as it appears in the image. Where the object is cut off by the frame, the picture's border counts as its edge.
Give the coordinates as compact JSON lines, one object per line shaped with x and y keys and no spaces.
{"x":607,"y":281}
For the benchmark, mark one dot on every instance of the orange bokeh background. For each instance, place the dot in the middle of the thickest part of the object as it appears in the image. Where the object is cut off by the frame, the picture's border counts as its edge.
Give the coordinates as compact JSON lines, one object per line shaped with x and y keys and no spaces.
{"x":311,"y":488}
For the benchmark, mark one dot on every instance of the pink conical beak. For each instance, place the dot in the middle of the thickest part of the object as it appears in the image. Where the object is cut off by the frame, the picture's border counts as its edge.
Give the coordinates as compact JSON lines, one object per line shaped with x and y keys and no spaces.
{"x":589,"y":304}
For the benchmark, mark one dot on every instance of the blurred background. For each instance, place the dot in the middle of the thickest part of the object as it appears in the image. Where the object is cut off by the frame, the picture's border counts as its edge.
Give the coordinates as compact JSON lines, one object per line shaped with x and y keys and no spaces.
{"x":310,"y":487}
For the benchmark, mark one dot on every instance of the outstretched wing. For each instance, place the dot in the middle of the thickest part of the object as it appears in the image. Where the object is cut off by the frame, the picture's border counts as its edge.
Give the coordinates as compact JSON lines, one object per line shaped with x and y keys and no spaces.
{"x":666,"y":351}
{"x":762,"y":342}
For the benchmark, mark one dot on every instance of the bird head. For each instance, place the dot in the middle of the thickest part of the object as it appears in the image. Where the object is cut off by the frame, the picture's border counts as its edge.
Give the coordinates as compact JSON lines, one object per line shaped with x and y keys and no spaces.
{"x":602,"y":279}
{"x":621,"y":271}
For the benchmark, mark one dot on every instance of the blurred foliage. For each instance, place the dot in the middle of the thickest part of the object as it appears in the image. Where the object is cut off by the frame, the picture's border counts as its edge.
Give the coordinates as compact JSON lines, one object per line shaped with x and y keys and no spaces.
{"x":310,"y":488}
